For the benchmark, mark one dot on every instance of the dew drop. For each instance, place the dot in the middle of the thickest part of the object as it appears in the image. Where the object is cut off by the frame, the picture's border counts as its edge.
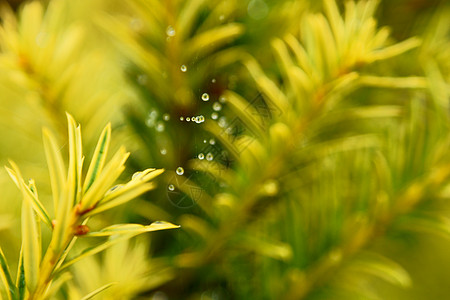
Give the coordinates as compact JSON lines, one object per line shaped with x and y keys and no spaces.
{"x":180,"y":171}
{"x":257,"y":9}
{"x":171,"y":187}
{"x":166,"y":117}
{"x":153,"y":114}
{"x":136,"y":175}
{"x":183,"y":68}
{"x":213,"y":80}
{"x":188,"y":119}
{"x":222,"y":122}
{"x":214,"y":116}
{"x":181,"y":118}
{"x":160,"y":127}
{"x":212,"y":141}
{"x":194,"y":119}
{"x":115,"y":187}
{"x":200,"y":119}
{"x":150,"y":122}
{"x":142,"y":79}
{"x":201,"y":156}
{"x":41,"y":39}
{"x":158,"y":295}
{"x":204,"y":141}
{"x":163,"y":151}
{"x":170,"y":31}
{"x":209,"y":156}
{"x":205,"y":97}
{"x":222,"y":99}
{"x":136,"y":24}
{"x":222,"y":17}
{"x":217,"y":106}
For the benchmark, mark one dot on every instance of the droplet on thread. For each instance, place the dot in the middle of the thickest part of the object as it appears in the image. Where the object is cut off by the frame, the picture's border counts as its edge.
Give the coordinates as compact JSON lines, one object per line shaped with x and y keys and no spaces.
{"x":170,"y":31}
{"x":214,"y":116}
{"x":222,"y":99}
{"x":205,"y":97}
{"x":181,"y":118}
{"x":200,"y":119}
{"x":188,"y":119}
{"x":222,"y":122}
{"x":183,"y":68}
{"x":163,"y":151}
{"x":201,"y":156}
{"x":160,"y":127}
{"x":213,"y":80}
{"x":166,"y":117}
{"x":209,"y":156}
{"x":171,"y":187}
{"x":142,"y":79}
{"x":212,"y":141}
{"x":153,"y":114}
{"x":150,"y":122}
{"x":217,"y":106}
{"x":179,"y":171}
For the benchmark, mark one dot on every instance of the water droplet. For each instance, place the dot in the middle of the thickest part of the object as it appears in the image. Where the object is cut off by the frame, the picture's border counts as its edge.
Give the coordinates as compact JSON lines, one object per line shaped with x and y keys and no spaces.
{"x":214,"y":116}
{"x":217,"y":106}
{"x":204,"y":141}
{"x":41,"y":39}
{"x":222,"y":99}
{"x":271,"y":187}
{"x":136,"y":24}
{"x":181,"y":118}
{"x":118,"y":186}
{"x":188,"y":119}
{"x":201,"y":156}
{"x":180,"y":171}
{"x":171,"y":187}
{"x":212,"y":141}
{"x":166,"y":117}
{"x":222,"y":122}
{"x":229,"y":130}
{"x":158,"y":295}
{"x":209,"y":156}
{"x":183,"y":68}
{"x":142,"y":79}
{"x":163,"y":151}
{"x":200,"y":119}
{"x":205,"y":97}
{"x":194,"y":119}
{"x":136,"y":175}
{"x":160,"y":127}
{"x":257,"y":9}
{"x":150,"y":122}
{"x":222,"y":17}
{"x":213,"y":80}
{"x":153,"y":114}
{"x":170,"y":31}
